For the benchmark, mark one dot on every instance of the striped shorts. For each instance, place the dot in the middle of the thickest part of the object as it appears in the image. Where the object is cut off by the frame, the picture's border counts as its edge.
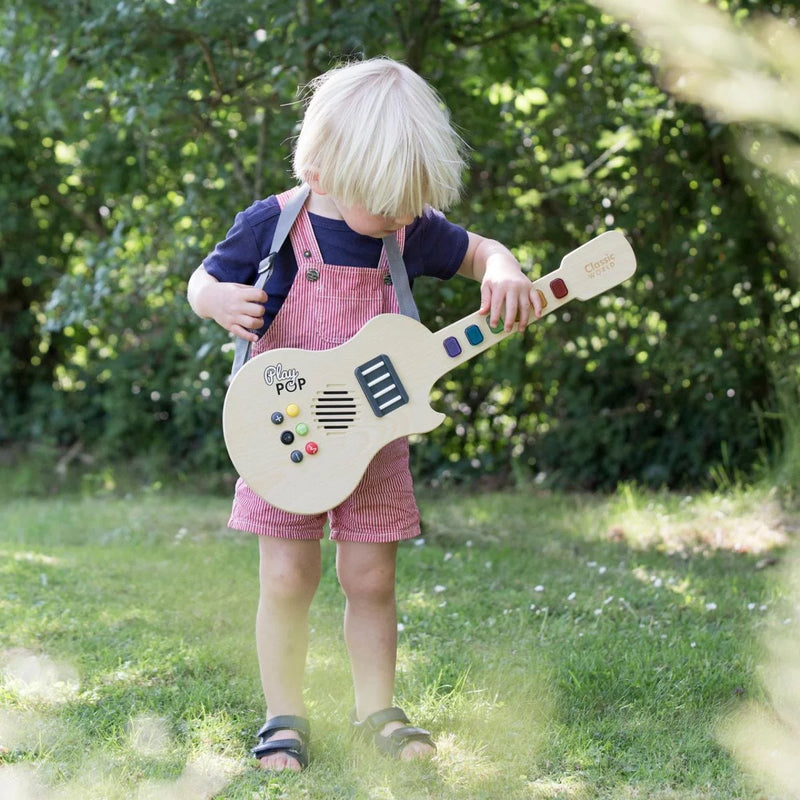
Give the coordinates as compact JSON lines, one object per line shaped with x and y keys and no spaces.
{"x":382,"y":508}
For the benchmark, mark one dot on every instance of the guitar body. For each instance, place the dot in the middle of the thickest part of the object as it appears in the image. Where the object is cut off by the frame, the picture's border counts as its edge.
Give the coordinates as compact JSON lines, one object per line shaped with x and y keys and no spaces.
{"x":319,"y":390}
{"x":302,"y":426}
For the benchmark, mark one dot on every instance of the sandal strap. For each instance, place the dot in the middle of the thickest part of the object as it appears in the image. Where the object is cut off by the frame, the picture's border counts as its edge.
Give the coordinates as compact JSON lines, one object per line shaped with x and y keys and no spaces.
{"x":374,"y":723}
{"x":292,"y":747}
{"x":396,"y":741}
{"x":286,"y":722}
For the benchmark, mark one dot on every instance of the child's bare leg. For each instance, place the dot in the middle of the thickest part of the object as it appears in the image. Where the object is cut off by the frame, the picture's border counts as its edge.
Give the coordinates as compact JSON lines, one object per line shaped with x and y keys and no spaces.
{"x":289,"y":573}
{"x":367,"y":575}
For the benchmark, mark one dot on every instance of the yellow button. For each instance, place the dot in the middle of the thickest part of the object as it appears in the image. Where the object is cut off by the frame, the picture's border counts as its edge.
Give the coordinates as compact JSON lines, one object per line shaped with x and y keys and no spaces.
{"x":292,"y":410}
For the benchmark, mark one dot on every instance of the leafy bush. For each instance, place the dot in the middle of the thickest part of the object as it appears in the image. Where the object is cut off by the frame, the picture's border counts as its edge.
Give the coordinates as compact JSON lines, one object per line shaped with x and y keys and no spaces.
{"x":133,"y":133}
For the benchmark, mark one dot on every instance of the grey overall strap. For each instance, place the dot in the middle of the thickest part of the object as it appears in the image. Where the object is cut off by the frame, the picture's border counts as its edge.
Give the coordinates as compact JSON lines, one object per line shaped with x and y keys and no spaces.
{"x":289,"y":214}
{"x":397,"y":269}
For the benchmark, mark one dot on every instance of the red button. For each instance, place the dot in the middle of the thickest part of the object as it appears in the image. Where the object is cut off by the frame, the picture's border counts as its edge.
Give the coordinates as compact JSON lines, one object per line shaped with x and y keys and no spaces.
{"x":311,"y":448}
{"x":558,"y":288}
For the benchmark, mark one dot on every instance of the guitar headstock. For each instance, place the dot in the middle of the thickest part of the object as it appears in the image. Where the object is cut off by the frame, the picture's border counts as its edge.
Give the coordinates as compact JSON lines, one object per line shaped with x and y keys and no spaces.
{"x":593,"y":268}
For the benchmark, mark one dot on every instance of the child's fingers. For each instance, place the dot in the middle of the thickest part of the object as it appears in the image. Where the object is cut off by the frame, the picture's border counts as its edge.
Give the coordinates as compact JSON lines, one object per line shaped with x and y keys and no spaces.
{"x":536,"y":302}
{"x":512,"y":307}
{"x":244,"y":333}
{"x":486,"y":300}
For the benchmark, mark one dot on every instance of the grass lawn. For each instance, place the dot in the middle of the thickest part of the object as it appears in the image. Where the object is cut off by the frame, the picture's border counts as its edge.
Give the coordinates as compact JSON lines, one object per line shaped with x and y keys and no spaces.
{"x":558,"y":646}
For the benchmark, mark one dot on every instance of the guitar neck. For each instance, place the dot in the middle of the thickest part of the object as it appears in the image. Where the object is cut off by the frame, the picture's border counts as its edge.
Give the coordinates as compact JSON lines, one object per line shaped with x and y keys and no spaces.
{"x":586,"y":272}
{"x":471,"y":335}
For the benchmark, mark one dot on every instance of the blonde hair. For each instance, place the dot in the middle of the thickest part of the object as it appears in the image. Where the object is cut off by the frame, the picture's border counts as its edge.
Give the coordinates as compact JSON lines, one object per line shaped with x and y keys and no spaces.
{"x":376,"y":135}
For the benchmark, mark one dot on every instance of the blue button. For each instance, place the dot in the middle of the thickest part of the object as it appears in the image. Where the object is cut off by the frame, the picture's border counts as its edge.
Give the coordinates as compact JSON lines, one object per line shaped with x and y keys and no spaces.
{"x":474,"y":335}
{"x":452,"y":346}
{"x":296,"y":456}
{"x":277,"y":418}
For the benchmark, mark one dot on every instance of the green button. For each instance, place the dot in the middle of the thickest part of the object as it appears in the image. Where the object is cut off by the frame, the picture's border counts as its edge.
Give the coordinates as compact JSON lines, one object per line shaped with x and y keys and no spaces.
{"x":301,"y":429}
{"x":497,"y":328}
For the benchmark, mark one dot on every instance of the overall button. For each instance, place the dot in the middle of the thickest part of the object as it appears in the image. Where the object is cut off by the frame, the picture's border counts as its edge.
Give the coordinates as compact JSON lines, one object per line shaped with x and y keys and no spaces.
{"x":312,"y":275}
{"x":296,"y":456}
{"x":451,"y":346}
{"x":307,"y":254}
{"x":473,"y":334}
{"x":287,"y":437}
{"x":292,"y":410}
{"x":387,"y":279}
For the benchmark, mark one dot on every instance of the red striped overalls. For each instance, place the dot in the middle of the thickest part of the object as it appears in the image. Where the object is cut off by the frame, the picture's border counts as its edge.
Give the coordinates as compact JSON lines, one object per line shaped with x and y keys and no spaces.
{"x":327,"y":305}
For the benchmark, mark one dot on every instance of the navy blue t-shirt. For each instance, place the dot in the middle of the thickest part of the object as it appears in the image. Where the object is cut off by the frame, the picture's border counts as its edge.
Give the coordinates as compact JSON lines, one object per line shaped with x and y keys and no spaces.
{"x":434,"y":247}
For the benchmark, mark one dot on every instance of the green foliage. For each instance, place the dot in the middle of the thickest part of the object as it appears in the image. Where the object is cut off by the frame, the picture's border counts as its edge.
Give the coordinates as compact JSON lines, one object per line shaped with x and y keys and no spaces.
{"x":131,"y":133}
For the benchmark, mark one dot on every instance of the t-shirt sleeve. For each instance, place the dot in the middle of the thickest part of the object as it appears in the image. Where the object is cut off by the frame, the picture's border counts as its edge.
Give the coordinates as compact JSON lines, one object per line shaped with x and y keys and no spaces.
{"x":236,"y":258}
{"x":435,"y":246}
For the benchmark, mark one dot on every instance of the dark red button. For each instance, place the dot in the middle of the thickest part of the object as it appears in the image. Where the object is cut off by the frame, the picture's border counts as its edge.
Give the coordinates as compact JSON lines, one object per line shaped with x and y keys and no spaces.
{"x":558,"y":288}
{"x":312,"y":448}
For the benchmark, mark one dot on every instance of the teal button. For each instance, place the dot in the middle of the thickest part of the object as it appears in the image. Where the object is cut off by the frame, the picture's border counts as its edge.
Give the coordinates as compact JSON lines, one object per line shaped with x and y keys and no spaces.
{"x":473,"y":334}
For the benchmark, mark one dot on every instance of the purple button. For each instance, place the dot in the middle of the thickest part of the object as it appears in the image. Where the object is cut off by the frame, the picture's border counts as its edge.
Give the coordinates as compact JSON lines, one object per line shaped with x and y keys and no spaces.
{"x":452,"y":346}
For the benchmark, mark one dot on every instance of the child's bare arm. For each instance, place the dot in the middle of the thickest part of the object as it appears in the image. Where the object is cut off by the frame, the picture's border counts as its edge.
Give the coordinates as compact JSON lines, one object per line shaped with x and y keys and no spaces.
{"x":236,"y":307}
{"x":505,"y":289}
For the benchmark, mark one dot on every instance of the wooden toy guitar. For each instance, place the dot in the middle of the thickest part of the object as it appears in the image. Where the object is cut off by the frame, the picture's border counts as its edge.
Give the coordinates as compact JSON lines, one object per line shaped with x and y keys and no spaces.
{"x":301,"y":426}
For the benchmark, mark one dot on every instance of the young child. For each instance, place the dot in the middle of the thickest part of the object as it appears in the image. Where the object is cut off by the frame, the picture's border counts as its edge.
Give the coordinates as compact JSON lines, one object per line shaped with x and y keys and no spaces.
{"x":379,"y":154}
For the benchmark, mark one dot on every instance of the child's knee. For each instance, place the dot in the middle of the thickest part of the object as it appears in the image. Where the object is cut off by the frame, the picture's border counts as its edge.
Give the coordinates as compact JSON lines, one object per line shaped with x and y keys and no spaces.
{"x":374,"y":585}
{"x":289,"y":574}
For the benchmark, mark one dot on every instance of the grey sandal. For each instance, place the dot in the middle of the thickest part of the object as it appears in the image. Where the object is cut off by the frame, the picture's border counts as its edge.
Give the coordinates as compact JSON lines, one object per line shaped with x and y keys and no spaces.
{"x":394,"y":743}
{"x":296,"y":748}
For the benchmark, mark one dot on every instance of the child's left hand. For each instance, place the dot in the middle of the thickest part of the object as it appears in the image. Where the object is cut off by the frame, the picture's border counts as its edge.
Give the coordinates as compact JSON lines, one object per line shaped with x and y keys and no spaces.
{"x":506,"y":292}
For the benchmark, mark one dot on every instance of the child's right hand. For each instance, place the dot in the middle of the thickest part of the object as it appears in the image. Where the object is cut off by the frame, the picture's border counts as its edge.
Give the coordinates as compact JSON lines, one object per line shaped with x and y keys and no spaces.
{"x":237,"y":307}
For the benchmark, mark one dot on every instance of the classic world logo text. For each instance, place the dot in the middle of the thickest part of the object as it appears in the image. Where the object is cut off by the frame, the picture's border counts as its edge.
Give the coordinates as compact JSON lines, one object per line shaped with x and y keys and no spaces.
{"x":605,"y":264}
